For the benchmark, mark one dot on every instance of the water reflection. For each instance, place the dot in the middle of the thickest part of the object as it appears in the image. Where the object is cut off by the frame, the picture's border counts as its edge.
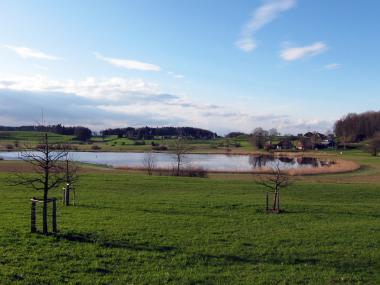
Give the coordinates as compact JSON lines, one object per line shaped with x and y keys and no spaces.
{"x":217,"y":162}
{"x":265,"y":161}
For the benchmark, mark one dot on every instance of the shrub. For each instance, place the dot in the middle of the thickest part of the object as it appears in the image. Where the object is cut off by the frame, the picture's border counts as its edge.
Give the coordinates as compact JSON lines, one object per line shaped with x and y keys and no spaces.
{"x":237,"y":144}
{"x":1,"y":158}
{"x":160,"y":147}
{"x":195,"y":172}
{"x":139,"y":143}
{"x":9,"y":146}
{"x":95,"y":147}
{"x":191,"y":172}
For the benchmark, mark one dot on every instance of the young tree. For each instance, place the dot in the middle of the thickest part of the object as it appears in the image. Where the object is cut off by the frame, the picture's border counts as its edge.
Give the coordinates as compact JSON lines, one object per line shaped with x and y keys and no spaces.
{"x":72,"y":180}
{"x":374,"y":144}
{"x":48,"y":166}
{"x":149,"y":162}
{"x":275,"y":181}
{"x":179,"y":149}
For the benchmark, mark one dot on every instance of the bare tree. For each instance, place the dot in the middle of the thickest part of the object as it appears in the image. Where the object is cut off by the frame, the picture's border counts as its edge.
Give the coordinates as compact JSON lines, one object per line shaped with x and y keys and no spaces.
{"x":179,"y":149}
{"x":273,"y":133}
{"x":374,"y":144}
{"x":149,"y":162}
{"x":258,"y":138}
{"x":47,"y":163}
{"x":275,"y":181}
{"x":72,"y":180}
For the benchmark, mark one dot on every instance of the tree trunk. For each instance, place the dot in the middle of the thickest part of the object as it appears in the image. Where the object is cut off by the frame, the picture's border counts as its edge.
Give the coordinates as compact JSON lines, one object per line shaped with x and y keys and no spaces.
{"x":275,"y":201}
{"x":278,"y":202}
{"x":44,"y":214}
{"x":178,"y":165}
{"x":46,"y":189}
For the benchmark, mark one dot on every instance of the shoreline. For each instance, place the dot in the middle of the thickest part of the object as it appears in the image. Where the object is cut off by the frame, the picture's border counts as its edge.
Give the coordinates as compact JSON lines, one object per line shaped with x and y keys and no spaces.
{"x":339,"y":166}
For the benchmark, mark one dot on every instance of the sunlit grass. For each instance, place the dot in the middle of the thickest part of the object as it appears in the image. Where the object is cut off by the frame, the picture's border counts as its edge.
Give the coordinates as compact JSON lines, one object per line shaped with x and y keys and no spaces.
{"x":131,"y":228}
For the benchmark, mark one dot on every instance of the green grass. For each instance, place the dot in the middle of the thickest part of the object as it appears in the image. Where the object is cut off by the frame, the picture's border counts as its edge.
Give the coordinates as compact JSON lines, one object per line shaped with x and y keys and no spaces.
{"x":18,"y":140}
{"x":22,"y":138}
{"x":135,"y":229}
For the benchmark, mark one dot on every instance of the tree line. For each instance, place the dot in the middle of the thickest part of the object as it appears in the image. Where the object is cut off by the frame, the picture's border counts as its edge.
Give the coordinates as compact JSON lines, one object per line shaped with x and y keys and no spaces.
{"x":357,"y":127}
{"x":166,"y":132}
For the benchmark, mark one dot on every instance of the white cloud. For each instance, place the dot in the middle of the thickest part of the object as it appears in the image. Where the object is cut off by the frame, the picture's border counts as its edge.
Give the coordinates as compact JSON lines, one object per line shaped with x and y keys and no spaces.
{"x":175,"y":75}
{"x":333,"y":66}
{"x":262,"y":16}
{"x":118,"y":102}
{"x":294,"y":53}
{"x":25,"y":52}
{"x":128,"y":64}
{"x":112,"y":88}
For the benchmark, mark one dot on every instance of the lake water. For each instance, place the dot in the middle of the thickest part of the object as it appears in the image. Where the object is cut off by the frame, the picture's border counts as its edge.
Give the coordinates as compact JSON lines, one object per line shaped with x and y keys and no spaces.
{"x":216,"y":162}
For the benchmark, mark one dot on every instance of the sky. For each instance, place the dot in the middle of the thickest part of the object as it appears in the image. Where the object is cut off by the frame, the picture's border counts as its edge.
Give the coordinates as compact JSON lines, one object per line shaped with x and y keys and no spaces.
{"x":294,"y":65}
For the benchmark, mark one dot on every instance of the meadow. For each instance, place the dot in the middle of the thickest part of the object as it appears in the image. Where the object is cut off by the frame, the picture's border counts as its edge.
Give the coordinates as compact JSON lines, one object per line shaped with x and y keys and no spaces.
{"x":130,"y":228}
{"x":17,"y":140}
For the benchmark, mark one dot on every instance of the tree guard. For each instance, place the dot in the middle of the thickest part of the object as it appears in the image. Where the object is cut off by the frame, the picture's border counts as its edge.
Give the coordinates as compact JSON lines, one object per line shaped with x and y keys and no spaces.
{"x":33,"y":215}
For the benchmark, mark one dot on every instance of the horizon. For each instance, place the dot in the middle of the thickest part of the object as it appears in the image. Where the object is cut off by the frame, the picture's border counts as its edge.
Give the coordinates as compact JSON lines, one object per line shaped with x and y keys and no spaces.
{"x":287,"y":64}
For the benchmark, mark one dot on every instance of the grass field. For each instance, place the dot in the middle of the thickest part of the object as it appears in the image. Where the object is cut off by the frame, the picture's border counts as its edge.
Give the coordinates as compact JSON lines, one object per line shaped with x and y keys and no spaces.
{"x":129,"y":228}
{"x":17,"y":140}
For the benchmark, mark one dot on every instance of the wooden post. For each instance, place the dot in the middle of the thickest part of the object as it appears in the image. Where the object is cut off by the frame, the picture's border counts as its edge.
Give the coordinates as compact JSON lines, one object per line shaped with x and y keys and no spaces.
{"x":67,"y":197}
{"x":33,"y":217}
{"x":73,"y":196}
{"x":64,"y":196}
{"x":54,"y":215}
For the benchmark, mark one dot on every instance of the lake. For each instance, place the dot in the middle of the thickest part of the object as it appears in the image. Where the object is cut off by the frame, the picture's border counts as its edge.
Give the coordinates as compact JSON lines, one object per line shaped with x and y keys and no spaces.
{"x":210,"y":162}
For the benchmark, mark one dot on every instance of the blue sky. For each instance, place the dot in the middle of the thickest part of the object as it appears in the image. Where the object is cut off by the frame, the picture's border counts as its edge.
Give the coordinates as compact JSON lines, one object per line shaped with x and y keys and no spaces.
{"x":295,"y":65}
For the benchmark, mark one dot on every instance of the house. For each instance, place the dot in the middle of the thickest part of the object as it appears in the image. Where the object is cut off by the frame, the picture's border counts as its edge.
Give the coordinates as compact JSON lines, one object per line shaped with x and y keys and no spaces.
{"x":304,"y":144}
{"x":285,"y":144}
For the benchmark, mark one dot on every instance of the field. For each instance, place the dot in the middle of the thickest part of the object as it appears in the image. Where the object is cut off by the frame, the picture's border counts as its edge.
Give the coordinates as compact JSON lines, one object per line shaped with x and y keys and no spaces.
{"x":16,"y":140}
{"x":129,"y":228}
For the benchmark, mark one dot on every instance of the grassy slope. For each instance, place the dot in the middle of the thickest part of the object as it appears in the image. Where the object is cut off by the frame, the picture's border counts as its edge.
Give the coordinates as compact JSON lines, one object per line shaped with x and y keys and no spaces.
{"x":130,"y":228}
{"x":110,"y":143}
{"x":33,"y":138}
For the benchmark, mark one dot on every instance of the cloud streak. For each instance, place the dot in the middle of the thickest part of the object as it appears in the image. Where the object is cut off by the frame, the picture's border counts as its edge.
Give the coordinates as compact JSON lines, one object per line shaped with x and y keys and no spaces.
{"x":295,"y":53}
{"x":333,"y":66}
{"x":262,"y":16}
{"x":128,"y":63}
{"x":176,"y":75}
{"x":26,"y":52}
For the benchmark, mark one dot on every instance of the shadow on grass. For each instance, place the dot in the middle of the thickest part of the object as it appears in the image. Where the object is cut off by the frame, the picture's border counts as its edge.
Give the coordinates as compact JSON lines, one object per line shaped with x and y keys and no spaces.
{"x":176,"y":212}
{"x":195,"y":259}
{"x":94,"y":206}
{"x":92,"y":238}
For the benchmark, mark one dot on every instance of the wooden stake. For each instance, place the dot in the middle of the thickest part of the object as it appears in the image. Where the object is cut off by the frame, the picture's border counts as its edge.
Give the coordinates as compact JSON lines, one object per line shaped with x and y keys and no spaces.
{"x":33,"y":217}
{"x":54,"y":215}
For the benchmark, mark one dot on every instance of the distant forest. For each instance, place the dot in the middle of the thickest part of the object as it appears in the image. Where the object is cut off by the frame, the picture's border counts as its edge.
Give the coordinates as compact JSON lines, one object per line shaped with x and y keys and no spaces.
{"x":357,"y":127}
{"x":81,"y":133}
{"x":351,"y":128}
{"x":166,"y":132}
